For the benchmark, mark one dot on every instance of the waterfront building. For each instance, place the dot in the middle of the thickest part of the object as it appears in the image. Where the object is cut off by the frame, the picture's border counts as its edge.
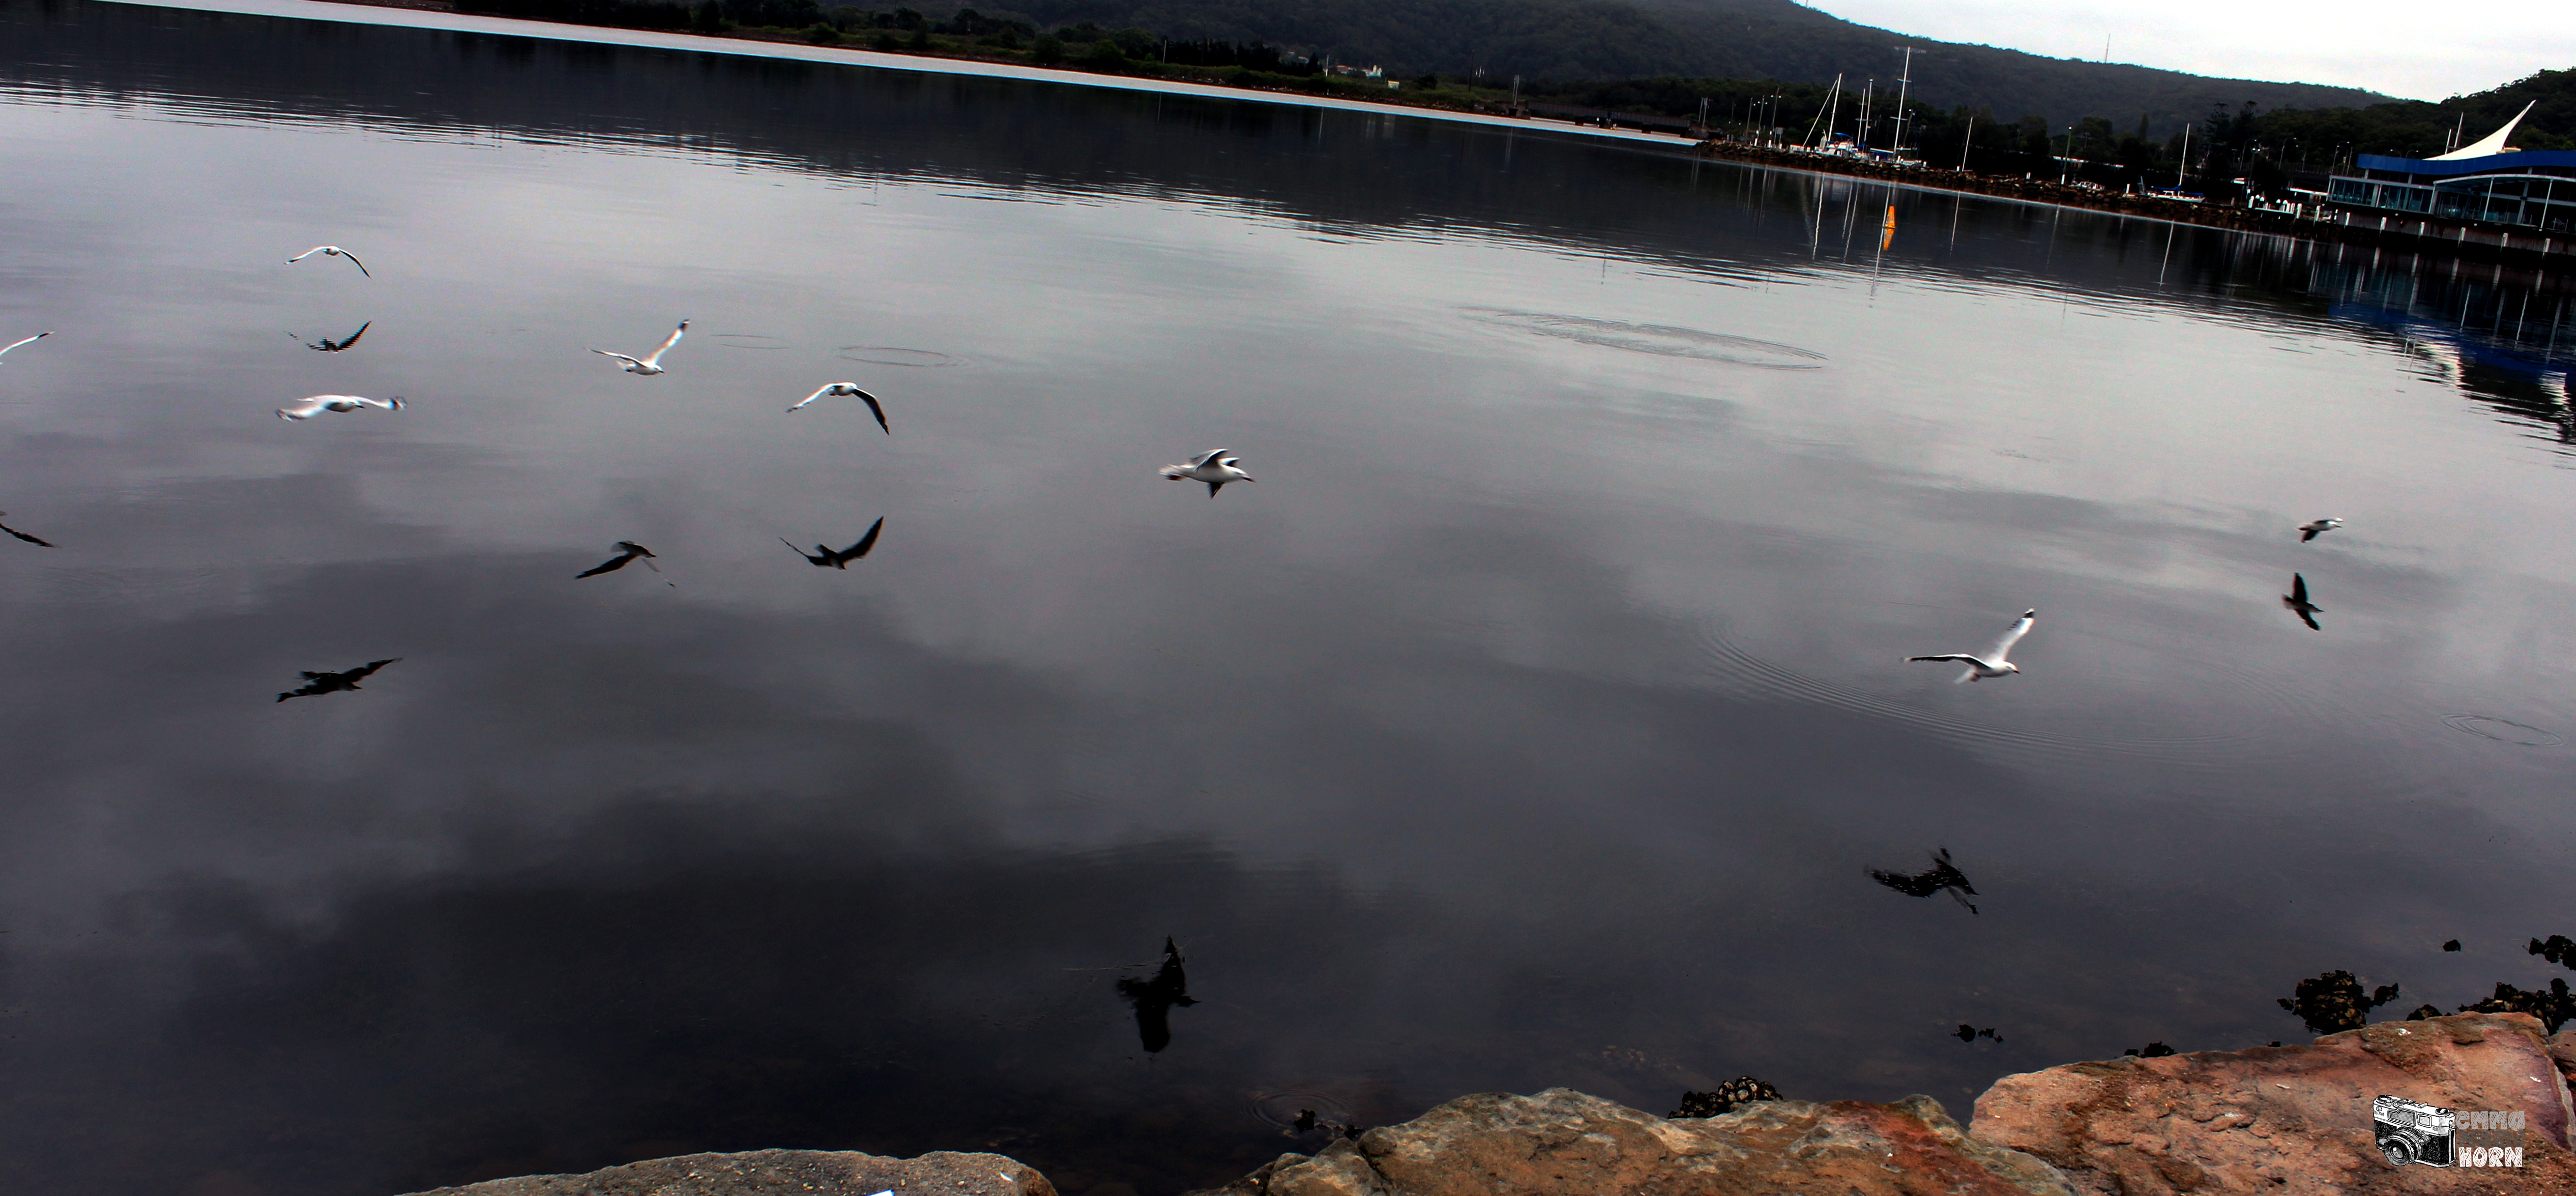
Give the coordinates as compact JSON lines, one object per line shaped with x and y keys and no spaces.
{"x":2481,"y":183}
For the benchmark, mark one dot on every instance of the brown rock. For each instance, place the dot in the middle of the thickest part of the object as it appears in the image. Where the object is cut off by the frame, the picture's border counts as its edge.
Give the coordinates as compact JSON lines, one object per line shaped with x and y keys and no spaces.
{"x":2562,"y":1047}
{"x":2292,"y":1120}
{"x":780,"y":1173}
{"x":1563,"y":1143}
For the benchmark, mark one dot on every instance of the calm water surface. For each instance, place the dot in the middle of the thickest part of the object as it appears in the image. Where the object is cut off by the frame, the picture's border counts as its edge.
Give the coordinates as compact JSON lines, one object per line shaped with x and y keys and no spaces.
{"x":1535,"y":719}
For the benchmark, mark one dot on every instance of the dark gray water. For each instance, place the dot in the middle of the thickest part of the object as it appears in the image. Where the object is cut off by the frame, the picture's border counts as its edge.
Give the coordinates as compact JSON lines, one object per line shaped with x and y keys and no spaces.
{"x":1536,"y":718}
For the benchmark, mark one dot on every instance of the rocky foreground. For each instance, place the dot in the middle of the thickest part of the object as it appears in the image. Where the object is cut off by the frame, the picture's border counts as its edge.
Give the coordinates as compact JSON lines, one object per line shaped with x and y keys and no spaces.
{"x":2288,"y":1120}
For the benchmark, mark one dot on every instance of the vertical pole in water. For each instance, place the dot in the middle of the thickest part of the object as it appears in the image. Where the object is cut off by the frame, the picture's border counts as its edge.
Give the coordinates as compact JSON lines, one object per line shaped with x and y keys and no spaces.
{"x":1972,"y":140}
{"x":2182,"y":170}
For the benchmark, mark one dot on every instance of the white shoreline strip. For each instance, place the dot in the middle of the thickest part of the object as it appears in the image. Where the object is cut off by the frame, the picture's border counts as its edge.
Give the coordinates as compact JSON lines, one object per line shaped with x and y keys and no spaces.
{"x":654,"y":39}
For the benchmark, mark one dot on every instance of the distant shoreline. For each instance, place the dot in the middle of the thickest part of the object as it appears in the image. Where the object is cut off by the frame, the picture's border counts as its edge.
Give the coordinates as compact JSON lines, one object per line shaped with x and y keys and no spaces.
{"x":429,"y":14}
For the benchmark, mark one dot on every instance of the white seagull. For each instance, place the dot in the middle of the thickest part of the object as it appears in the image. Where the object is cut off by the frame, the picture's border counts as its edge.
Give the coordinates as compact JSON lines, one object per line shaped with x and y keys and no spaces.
{"x":1212,"y":467}
{"x":1992,"y":664}
{"x":650,"y":363}
{"x":849,"y":388}
{"x":313,"y":405}
{"x":332,"y":251}
{"x":2318,"y":527}
{"x":29,"y":341}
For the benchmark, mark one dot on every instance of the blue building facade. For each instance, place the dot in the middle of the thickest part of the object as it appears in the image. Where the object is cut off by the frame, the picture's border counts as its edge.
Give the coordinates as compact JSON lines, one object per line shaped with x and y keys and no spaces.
{"x":2523,"y":189}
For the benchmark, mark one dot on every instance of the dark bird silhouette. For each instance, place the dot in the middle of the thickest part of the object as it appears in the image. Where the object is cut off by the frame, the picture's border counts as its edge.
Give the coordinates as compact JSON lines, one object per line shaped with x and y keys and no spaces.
{"x":1968,"y":1033}
{"x":24,"y":536}
{"x":327,"y":345}
{"x":841,"y":559}
{"x":330,"y":683}
{"x":2297,"y":601}
{"x":1155,"y":998}
{"x":2452,"y":945}
{"x":627,"y":551}
{"x":1941,"y":875}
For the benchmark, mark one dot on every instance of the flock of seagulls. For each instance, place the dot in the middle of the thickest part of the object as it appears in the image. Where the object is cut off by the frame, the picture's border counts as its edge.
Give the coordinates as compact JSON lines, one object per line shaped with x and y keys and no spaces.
{"x":1215,"y":468}
{"x":1992,"y":662}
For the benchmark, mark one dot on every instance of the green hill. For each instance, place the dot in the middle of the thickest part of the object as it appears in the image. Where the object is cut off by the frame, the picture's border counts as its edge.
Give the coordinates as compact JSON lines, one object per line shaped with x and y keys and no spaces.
{"x":1567,"y":40}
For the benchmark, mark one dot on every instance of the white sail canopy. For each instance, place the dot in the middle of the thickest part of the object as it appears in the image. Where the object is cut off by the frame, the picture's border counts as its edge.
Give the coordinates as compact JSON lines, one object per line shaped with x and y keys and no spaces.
{"x":2492,"y":143}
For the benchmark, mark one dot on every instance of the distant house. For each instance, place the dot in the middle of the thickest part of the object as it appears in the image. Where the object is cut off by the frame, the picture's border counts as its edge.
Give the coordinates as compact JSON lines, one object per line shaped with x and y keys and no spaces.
{"x":2484,"y":182}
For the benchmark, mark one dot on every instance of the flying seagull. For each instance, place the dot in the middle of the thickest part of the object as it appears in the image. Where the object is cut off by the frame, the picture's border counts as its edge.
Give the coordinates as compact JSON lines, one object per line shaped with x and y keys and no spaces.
{"x":24,"y":536}
{"x":327,"y":345}
{"x":2317,"y":527}
{"x":330,"y":683}
{"x":841,"y":559}
{"x":627,"y":551}
{"x":29,"y":341}
{"x":651,"y":363}
{"x":1992,"y":664}
{"x":1941,"y":875}
{"x":1212,"y":467}
{"x":332,"y":251}
{"x":2297,"y":600}
{"x":313,"y":405}
{"x":849,"y":388}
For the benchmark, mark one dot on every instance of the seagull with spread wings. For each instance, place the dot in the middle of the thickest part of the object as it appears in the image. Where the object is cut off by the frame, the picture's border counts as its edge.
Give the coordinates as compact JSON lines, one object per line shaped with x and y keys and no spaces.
{"x":327,"y":345}
{"x":29,"y":341}
{"x":1212,"y":467}
{"x":2297,"y":601}
{"x":316,"y":684}
{"x":313,"y":405}
{"x":651,"y":363}
{"x":333,"y":251}
{"x":24,"y":536}
{"x":1992,"y":663}
{"x":845,"y":389}
{"x":2317,"y":527}
{"x":841,"y":559}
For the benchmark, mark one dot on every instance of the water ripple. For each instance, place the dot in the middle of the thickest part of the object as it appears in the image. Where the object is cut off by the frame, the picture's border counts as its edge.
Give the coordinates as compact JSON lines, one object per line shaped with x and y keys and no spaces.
{"x":1661,"y":340}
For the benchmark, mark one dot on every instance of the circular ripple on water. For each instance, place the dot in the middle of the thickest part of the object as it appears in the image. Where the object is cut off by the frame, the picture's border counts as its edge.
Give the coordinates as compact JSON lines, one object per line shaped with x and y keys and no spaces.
{"x":2504,"y":730}
{"x":1280,"y":1108}
{"x":747,"y":340}
{"x":891,"y":355}
{"x":1660,"y":340}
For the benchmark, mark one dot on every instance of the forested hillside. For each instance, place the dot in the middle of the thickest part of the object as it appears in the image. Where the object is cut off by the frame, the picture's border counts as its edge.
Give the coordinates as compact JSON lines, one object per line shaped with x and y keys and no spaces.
{"x":1566,"y":40}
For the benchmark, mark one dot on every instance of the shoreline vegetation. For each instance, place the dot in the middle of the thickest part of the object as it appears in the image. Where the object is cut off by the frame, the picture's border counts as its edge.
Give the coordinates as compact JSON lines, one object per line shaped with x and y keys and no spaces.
{"x":2082,"y":167}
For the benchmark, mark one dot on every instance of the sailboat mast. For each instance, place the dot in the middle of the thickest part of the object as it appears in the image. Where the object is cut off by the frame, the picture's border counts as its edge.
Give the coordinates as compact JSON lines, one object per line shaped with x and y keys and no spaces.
{"x":1904,"y":83}
{"x":1834,"y":104}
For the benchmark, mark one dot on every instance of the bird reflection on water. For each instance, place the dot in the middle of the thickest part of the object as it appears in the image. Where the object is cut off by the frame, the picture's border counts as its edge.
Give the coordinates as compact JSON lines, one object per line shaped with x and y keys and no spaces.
{"x":2297,"y":601}
{"x":823,"y":556}
{"x":316,"y":684}
{"x":1941,"y":875}
{"x":327,"y":345}
{"x":1155,"y":998}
